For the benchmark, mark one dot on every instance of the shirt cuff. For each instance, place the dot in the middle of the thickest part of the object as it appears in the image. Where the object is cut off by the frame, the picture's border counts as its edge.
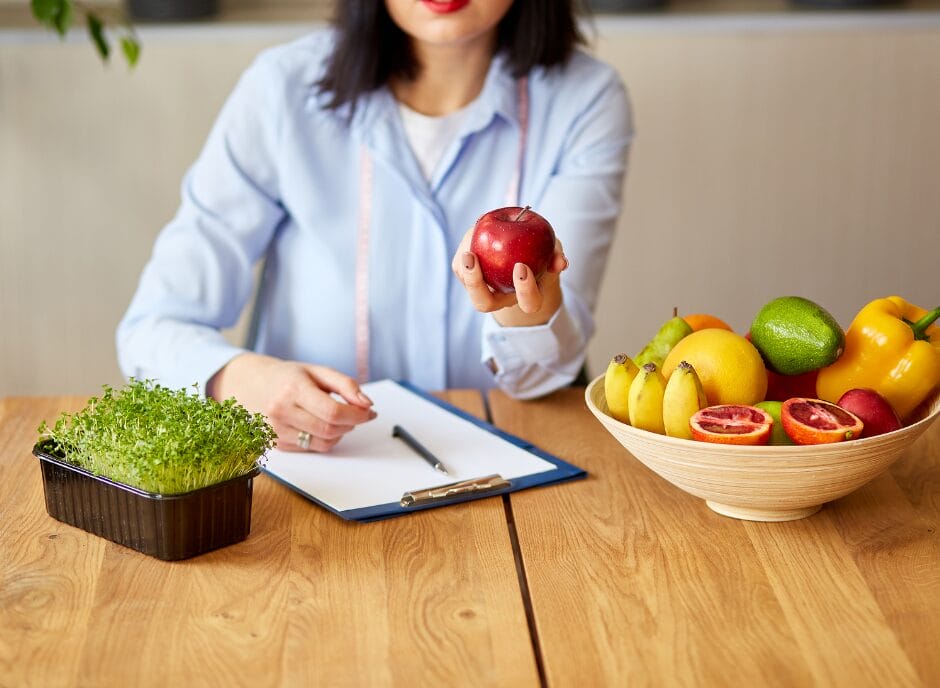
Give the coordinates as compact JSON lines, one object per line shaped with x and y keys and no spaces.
{"x":532,"y":361}
{"x":201,"y":367}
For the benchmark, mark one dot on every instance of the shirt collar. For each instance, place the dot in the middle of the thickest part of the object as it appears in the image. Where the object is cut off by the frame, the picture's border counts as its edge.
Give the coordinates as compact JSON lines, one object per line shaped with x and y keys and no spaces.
{"x":499,"y":98}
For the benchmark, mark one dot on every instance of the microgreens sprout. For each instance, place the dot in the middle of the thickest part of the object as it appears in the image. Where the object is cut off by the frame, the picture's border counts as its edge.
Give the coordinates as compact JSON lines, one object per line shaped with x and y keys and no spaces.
{"x":160,"y":440}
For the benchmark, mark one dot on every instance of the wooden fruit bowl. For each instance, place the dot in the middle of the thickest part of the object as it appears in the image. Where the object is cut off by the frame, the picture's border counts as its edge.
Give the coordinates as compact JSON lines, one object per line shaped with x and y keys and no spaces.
{"x":764,"y":483}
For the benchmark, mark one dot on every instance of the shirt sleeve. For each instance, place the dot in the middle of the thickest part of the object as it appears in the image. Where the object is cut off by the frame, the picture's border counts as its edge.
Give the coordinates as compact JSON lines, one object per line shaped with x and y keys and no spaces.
{"x":582,"y":200}
{"x":533,"y":361}
{"x":200,"y":274}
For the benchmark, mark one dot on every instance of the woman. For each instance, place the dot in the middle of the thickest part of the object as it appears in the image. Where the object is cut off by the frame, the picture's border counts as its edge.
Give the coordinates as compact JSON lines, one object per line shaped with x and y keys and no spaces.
{"x":354,"y":163}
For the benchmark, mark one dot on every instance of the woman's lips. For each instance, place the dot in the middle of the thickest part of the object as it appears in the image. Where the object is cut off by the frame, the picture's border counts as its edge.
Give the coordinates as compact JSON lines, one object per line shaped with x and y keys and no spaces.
{"x":445,"y":7}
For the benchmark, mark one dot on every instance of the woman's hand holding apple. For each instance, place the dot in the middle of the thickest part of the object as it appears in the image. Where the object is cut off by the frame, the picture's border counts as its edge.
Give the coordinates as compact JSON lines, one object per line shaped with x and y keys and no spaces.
{"x":510,"y":263}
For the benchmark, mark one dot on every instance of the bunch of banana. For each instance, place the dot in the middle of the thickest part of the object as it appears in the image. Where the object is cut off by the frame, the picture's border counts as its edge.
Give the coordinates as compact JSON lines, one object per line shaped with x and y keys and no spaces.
{"x":642,"y":397}
{"x":682,"y":398}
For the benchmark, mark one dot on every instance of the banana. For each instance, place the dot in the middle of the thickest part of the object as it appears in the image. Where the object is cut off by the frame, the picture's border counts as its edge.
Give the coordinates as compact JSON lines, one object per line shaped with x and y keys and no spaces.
{"x":682,"y":398}
{"x":620,"y":373}
{"x":646,"y":399}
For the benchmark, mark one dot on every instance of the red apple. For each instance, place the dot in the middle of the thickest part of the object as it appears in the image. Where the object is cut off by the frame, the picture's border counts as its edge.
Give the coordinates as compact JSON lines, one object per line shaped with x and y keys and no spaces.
{"x":506,"y":236}
{"x":875,"y":411}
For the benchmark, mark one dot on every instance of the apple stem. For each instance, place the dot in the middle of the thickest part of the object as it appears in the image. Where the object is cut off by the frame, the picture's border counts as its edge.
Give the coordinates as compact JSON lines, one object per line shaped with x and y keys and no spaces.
{"x":521,"y":213}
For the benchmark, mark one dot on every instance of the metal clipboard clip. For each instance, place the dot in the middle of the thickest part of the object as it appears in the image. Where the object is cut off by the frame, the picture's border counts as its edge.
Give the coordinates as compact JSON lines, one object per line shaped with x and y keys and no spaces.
{"x":487,"y":483}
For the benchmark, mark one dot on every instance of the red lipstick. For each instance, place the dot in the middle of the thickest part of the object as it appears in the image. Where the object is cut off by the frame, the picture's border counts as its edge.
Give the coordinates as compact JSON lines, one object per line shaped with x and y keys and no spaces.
{"x":445,"y":7}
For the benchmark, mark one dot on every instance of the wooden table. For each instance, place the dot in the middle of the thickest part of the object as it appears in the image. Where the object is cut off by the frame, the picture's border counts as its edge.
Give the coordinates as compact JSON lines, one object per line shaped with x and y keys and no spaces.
{"x":618,"y":579}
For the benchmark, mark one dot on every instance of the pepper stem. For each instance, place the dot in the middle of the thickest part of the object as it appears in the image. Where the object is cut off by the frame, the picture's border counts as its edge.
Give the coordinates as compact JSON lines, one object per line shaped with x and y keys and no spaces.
{"x":920,"y":327}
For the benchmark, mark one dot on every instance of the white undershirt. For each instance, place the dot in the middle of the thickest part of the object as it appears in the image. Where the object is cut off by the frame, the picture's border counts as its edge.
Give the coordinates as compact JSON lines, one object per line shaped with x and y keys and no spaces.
{"x":429,"y":136}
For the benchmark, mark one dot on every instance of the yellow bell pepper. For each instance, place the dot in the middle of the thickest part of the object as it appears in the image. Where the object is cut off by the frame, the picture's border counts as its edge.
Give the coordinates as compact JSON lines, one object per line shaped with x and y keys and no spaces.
{"x":893,"y":347}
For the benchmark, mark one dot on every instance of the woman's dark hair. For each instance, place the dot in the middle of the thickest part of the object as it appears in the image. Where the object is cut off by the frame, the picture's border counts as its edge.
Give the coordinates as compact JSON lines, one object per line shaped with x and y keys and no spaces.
{"x":370,"y":48}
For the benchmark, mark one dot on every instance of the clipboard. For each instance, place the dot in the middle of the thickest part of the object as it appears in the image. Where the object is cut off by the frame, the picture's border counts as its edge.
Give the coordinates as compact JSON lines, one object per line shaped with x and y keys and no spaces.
{"x":372,"y":475}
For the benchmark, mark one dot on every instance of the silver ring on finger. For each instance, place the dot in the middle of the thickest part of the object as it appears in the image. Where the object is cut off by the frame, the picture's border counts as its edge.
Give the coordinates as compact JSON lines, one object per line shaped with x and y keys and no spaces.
{"x":303,"y":439}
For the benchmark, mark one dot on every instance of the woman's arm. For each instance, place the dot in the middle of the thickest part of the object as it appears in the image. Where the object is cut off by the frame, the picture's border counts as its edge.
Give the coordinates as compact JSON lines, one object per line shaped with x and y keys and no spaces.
{"x":533,"y":354}
{"x":201,"y":276}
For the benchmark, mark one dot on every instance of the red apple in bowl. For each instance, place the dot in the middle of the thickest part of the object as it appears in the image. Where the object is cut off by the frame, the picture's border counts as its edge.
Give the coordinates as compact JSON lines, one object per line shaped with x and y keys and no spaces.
{"x":506,"y":236}
{"x":876,"y":413}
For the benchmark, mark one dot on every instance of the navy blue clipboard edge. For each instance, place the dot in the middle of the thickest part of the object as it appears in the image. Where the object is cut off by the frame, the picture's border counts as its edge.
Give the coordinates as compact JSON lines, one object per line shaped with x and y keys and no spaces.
{"x":562,"y":472}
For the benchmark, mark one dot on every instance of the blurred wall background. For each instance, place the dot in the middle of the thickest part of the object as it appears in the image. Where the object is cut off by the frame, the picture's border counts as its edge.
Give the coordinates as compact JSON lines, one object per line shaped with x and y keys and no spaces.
{"x":777,"y":153}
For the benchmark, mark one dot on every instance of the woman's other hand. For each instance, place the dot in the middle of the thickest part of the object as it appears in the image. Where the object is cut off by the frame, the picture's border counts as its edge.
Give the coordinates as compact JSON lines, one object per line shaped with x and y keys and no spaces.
{"x":296,"y":398}
{"x":534,"y":301}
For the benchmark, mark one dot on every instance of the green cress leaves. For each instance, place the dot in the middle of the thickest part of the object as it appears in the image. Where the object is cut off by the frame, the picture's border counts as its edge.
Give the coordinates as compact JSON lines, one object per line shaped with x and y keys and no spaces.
{"x":160,"y":440}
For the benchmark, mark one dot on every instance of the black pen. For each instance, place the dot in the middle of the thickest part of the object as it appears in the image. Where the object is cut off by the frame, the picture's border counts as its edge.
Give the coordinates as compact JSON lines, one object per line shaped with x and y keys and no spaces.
{"x":420,"y":449}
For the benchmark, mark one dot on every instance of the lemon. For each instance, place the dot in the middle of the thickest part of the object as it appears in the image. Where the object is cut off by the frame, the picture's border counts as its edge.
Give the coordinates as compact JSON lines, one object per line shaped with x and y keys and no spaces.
{"x":730,"y":368}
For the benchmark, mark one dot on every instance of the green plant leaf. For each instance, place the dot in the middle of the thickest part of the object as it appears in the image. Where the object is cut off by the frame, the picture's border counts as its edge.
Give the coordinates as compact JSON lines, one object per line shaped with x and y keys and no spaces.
{"x":64,"y":19}
{"x":96,"y":31}
{"x":46,"y":10}
{"x":56,"y":14}
{"x":131,"y":48}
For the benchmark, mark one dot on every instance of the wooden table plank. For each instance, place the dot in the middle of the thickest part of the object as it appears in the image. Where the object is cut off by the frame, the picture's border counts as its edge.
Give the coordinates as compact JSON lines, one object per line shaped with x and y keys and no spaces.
{"x":45,"y":599}
{"x":633,"y":581}
{"x":828,"y":603}
{"x":917,"y":473}
{"x":307,"y":599}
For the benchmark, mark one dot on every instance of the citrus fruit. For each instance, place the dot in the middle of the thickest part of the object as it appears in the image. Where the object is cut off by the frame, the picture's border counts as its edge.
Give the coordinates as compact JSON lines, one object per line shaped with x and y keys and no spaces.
{"x":729,"y":367}
{"x":778,"y":436}
{"x":731,"y":424}
{"x":796,"y":335}
{"x":814,"y":421}
{"x":703,"y":321}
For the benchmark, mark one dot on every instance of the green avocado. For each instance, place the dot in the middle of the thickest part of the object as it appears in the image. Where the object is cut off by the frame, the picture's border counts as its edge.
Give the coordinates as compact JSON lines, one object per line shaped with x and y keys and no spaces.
{"x":795,"y":335}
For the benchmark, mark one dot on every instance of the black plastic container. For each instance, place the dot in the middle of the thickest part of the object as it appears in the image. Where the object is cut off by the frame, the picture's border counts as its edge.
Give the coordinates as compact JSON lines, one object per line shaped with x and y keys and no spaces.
{"x":167,"y":527}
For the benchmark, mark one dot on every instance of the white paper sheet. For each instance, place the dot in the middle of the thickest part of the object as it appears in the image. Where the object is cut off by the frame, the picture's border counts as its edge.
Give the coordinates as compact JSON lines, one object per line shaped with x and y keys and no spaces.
{"x":370,"y":467}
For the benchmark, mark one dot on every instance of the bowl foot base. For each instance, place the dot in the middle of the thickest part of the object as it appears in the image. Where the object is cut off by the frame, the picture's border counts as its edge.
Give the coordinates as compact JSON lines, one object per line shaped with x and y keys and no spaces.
{"x":751,"y":514}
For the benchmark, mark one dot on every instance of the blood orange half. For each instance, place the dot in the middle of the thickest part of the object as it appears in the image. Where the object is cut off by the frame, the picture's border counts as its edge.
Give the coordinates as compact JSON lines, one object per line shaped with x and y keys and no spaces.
{"x":732,"y":424}
{"x":814,"y":421}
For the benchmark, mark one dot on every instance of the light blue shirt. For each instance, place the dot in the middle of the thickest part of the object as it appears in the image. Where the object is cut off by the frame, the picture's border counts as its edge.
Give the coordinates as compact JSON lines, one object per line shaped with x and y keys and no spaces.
{"x":279,"y":178}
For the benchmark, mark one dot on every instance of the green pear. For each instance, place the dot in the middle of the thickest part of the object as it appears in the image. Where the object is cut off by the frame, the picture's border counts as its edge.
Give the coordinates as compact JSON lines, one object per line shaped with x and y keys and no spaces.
{"x":659,"y":346}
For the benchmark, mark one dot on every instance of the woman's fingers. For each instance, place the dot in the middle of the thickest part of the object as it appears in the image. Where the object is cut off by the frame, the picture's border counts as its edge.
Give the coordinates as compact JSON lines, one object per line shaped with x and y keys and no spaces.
{"x":528,"y":293}
{"x":348,"y":388}
{"x":303,"y":441}
{"x":484,"y":299}
{"x":299,"y":417}
{"x":533,"y":294}
{"x":559,"y":262}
